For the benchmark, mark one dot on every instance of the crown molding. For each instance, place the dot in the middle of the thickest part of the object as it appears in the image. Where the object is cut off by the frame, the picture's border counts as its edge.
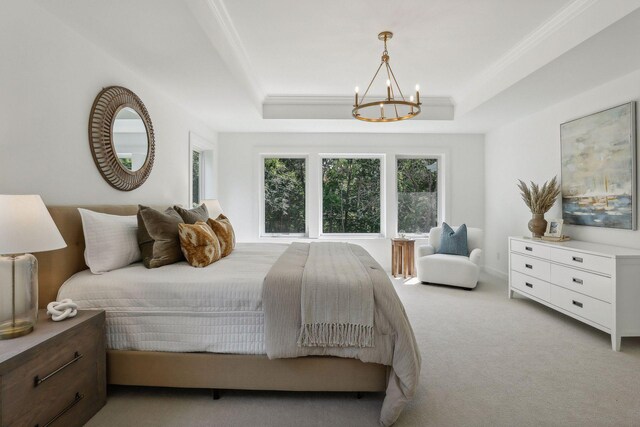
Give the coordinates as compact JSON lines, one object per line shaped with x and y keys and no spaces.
{"x":553,"y":24}
{"x":213,"y":17}
{"x":569,"y":27}
{"x":338,"y":107}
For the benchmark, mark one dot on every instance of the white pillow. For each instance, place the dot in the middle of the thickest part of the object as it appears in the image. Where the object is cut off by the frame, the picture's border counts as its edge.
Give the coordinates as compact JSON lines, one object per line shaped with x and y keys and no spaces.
{"x":111,"y":241}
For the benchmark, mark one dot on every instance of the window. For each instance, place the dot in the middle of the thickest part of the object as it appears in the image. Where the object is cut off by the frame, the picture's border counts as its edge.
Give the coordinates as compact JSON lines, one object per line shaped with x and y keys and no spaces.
{"x":417,"y":195}
{"x":196,"y":177}
{"x":284,"y":196}
{"x":351,"y":195}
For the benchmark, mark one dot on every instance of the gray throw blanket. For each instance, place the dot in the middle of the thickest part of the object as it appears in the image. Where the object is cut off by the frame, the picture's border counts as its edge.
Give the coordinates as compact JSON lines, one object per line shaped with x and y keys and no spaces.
{"x":394,"y":344}
{"x":337,"y":299}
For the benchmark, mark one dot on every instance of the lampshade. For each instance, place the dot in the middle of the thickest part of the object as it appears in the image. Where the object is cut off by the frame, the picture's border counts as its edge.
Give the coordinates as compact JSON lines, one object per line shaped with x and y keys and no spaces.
{"x":213,"y":206}
{"x":26,"y":226}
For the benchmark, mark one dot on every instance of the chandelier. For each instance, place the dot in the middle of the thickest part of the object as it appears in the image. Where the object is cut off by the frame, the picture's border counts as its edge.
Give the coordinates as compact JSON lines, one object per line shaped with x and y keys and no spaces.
{"x":393,"y":108}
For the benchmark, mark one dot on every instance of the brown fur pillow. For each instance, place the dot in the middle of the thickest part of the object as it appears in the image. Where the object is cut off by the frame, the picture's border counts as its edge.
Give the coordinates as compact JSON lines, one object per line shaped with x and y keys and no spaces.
{"x":221,"y":226}
{"x":199,"y":244}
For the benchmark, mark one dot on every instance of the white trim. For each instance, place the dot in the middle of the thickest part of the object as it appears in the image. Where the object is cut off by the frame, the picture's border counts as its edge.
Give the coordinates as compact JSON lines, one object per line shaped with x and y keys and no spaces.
{"x":383,"y":201}
{"x":342,"y":100}
{"x":208,"y":158}
{"x":533,"y":39}
{"x":440,"y":191}
{"x":213,"y":17}
{"x":261,"y":208}
{"x":495,"y":272}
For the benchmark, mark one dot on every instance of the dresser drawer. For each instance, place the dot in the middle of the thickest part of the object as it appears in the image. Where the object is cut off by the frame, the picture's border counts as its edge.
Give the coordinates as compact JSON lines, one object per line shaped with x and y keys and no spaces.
{"x":589,"y":308}
{"x":528,"y":248}
{"x":530,"y":285}
{"x":46,"y":383}
{"x":531,"y":266}
{"x":590,"y":284}
{"x":598,"y":264}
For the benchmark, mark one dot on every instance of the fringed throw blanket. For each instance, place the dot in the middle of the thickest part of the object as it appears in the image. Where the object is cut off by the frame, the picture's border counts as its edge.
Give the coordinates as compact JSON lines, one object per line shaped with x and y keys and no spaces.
{"x":291,"y":313}
{"x":337,"y":299}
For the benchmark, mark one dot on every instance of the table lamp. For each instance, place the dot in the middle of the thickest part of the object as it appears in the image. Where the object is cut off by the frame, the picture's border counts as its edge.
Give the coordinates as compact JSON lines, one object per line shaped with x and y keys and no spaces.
{"x":25,"y":226}
{"x":214,"y":208}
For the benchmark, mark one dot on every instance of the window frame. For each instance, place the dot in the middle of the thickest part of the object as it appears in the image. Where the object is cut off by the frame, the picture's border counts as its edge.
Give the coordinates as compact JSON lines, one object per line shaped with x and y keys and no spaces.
{"x":208,"y":154}
{"x":383,"y":192}
{"x":440,"y":189}
{"x":262,"y":215}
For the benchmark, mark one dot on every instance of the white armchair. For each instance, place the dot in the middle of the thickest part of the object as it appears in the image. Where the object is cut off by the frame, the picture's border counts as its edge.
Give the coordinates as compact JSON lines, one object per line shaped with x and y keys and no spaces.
{"x":454,"y":270}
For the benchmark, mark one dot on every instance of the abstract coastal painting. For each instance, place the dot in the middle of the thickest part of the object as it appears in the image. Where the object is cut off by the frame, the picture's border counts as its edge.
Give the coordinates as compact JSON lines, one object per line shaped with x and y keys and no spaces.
{"x":599,"y":169}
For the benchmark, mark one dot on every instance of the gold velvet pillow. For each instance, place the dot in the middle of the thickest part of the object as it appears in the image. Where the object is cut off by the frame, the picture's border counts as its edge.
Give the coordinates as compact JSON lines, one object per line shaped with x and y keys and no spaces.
{"x":158,"y":236}
{"x":199,"y":244}
{"x":191,"y":216}
{"x":223,"y":229}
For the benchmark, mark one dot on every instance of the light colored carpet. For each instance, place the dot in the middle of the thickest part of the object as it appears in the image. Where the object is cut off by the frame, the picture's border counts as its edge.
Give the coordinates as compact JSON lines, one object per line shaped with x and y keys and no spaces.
{"x":487,"y":361}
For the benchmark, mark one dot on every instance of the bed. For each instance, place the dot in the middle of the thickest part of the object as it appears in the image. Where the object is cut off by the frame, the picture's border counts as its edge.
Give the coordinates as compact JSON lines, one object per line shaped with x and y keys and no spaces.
{"x":219,"y":324}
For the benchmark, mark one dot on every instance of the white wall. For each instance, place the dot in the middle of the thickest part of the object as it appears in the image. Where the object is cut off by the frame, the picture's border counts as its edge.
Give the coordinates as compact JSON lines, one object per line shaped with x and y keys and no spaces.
{"x":239,"y":175}
{"x":529,"y":149}
{"x":49,"y":78}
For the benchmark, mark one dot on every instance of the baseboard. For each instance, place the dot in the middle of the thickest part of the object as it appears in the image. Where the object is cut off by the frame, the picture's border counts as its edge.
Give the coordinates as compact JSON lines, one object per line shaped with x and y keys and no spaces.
{"x":494,"y":271}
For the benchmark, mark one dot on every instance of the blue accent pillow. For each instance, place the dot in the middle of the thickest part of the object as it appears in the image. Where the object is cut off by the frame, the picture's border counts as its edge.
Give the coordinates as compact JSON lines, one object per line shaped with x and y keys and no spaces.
{"x":453,"y":242}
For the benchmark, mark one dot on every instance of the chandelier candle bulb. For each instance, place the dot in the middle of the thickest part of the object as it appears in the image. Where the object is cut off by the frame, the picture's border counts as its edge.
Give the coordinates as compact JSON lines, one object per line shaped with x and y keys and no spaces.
{"x":411,"y":100}
{"x":382,"y":111}
{"x":418,"y":94}
{"x":388,"y":90}
{"x":357,"y":90}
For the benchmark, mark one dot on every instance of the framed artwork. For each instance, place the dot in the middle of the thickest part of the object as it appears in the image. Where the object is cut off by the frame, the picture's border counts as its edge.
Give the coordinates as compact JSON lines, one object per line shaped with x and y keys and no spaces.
{"x":599,"y":169}
{"x":554,"y":228}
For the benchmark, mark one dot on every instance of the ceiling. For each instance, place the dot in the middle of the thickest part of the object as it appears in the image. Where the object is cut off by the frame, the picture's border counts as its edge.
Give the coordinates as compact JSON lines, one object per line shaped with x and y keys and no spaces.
{"x":222,"y":60}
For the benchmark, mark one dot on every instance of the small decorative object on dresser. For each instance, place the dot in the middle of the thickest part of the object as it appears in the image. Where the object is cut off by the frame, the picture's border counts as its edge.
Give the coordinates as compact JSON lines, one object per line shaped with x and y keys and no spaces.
{"x":596,"y":284}
{"x":57,"y":374}
{"x":539,"y":200}
{"x":554,"y":228}
{"x":25,"y":226}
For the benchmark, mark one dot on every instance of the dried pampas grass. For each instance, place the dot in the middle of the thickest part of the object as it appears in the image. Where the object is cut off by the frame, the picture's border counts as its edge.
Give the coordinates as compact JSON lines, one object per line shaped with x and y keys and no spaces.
{"x":539,"y":199}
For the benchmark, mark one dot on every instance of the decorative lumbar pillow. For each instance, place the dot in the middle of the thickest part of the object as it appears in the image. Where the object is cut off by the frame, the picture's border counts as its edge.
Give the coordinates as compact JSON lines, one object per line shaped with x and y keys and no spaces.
{"x":191,"y":216}
{"x":110,"y":241}
{"x":199,"y":244}
{"x":223,"y":229}
{"x":453,"y":242}
{"x":158,"y":236}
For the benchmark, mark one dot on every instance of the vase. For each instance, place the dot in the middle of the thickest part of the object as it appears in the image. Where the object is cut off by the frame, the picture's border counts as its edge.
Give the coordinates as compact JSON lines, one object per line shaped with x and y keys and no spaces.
{"x":538,"y":225}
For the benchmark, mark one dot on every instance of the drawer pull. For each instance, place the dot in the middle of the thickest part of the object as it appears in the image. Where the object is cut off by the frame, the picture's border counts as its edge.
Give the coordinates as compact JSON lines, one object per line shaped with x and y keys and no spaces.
{"x":528,"y":248}
{"x":37,"y":380}
{"x":529,"y":266}
{"x":76,"y":399}
{"x":528,"y":285}
{"x":578,"y":281}
{"x":577,"y":303}
{"x":576,"y":258}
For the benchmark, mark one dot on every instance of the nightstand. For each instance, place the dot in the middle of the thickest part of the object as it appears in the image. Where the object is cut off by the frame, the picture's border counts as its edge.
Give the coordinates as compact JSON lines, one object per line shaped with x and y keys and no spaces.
{"x":55,"y":375}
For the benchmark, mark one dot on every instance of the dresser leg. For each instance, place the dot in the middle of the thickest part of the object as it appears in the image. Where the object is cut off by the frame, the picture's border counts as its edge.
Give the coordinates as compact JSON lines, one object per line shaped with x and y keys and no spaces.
{"x":510,"y":294}
{"x":616,"y":342}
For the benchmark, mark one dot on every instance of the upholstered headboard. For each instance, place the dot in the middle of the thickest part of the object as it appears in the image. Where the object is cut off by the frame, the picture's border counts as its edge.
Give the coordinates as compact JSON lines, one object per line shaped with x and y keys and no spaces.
{"x":54,"y":267}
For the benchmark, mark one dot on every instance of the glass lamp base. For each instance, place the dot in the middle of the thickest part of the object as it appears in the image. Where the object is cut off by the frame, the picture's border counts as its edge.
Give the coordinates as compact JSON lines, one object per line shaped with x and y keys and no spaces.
{"x":9,"y":330}
{"x":18,"y":295}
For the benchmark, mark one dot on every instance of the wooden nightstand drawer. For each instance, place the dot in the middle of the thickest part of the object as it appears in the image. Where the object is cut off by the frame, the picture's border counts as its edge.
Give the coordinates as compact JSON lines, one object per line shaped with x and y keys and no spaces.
{"x":61,"y":378}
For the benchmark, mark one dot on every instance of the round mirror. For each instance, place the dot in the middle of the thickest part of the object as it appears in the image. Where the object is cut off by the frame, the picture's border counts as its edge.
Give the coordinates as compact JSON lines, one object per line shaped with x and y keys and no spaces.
{"x":130,"y":139}
{"x":121,"y":138}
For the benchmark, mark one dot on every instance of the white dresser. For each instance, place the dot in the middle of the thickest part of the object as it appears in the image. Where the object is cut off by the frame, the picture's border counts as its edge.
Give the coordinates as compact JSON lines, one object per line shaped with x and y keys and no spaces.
{"x":596,"y":284}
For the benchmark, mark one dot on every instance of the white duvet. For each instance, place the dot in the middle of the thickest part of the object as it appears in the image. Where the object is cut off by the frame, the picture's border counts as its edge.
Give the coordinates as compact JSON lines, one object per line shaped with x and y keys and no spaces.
{"x":181,"y":308}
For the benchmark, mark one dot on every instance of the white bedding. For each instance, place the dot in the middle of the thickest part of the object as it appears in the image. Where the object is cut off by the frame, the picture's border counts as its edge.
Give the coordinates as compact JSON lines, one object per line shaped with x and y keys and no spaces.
{"x":180,"y":308}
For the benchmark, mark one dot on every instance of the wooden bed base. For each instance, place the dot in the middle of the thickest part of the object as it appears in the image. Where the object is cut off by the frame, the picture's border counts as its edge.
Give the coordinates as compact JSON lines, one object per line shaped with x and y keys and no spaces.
{"x":243,"y":372}
{"x":198,"y":370}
